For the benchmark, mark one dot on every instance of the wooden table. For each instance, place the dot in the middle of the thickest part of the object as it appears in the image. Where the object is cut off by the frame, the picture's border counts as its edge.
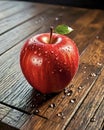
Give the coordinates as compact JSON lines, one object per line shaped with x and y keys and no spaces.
{"x":22,"y":107}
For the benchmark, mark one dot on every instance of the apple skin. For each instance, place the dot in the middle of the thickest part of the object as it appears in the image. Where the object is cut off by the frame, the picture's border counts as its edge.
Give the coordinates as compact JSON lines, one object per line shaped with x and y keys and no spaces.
{"x":49,"y":68}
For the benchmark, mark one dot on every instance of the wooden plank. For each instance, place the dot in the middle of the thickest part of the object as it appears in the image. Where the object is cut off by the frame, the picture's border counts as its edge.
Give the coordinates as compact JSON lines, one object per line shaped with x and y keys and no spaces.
{"x":27,"y":28}
{"x":88,"y":110}
{"x":3,"y":111}
{"x":34,"y":122}
{"x":7,"y":5}
{"x":17,"y":19}
{"x":37,"y":123}
{"x":8,"y":12}
{"x":4,"y":126}
{"x":102,"y":126}
{"x":3,"y":2}
{"x":11,"y":118}
{"x":25,"y":98}
{"x":87,"y":25}
{"x":28,"y":97}
{"x":97,"y":119}
{"x":15,"y":118}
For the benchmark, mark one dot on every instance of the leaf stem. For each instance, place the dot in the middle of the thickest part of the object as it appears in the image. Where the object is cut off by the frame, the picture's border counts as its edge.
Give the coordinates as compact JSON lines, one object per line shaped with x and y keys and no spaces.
{"x":51,"y":32}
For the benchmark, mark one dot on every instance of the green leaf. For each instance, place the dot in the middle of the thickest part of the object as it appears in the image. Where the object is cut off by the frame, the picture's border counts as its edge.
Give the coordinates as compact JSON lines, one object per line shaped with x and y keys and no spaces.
{"x":63,"y":29}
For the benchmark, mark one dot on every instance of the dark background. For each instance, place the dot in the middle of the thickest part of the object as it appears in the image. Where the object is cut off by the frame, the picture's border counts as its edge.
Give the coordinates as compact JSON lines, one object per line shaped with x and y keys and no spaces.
{"x":77,"y":3}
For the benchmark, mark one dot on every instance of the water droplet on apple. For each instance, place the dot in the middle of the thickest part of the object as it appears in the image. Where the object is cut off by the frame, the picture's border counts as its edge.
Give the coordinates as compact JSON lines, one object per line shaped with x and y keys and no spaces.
{"x":26,"y":49}
{"x":64,"y":63}
{"x":35,"y":52}
{"x":60,"y":70}
{"x":46,"y":52}
{"x":52,"y":52}
{"x":57,"y":58}
{"x":53,"y":72}
{"x":56,"y":54}
{"x":37,"y":61}
{"x":48,"y":62}
{"x":32,"y":47}
{"x":39,"y":54}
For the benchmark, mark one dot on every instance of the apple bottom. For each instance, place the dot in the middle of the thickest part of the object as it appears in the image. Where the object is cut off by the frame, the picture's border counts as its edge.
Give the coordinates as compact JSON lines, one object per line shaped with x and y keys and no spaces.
{"x":49,"y":83}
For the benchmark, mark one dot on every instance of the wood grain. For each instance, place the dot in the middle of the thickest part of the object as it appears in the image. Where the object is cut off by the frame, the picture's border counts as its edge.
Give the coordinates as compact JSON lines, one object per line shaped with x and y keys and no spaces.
{"x":97,"y":118}
{"x":88,"y":109}
{"x":15,"y":118}
{"x":3,"y":111}
{"x":18,"y":18}
{"x":15,"y":9}
{"x":36,"y":22}
{"x":11,"y":118}
{"x":37,"y":123}
{"x":7,"y":5}
{"x":24,"y":108}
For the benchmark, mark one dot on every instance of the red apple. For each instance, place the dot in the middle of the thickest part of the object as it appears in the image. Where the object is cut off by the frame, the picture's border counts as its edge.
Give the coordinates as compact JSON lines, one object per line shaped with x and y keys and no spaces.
{"x":49,"y":66}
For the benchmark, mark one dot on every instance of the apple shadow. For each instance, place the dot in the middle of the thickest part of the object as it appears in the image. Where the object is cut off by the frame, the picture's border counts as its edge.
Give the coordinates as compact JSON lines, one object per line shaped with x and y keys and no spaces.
{"x":38,"y":99}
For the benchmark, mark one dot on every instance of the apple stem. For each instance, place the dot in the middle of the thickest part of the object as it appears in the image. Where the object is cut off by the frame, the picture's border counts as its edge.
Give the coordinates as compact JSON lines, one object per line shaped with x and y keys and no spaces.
{"x":51,"y":31}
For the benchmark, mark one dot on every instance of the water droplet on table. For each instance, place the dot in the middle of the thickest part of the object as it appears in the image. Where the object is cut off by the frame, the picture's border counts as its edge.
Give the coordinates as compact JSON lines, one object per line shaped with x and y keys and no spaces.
{"x":80,"y":87}
{"x":61,"y":115}
{"x":97,"y":37}
{"x":68,"y":92}
{"x":92,"y":74}
{"x":32,"y":106}
{"x":52,"y":105}
{"x":71,"y":86}
{"x":72,"y":100}
{"x":56,"y":18}
{"x":99,"y":64}
{"x":36,"y":111}
{"x":92,"y":119}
